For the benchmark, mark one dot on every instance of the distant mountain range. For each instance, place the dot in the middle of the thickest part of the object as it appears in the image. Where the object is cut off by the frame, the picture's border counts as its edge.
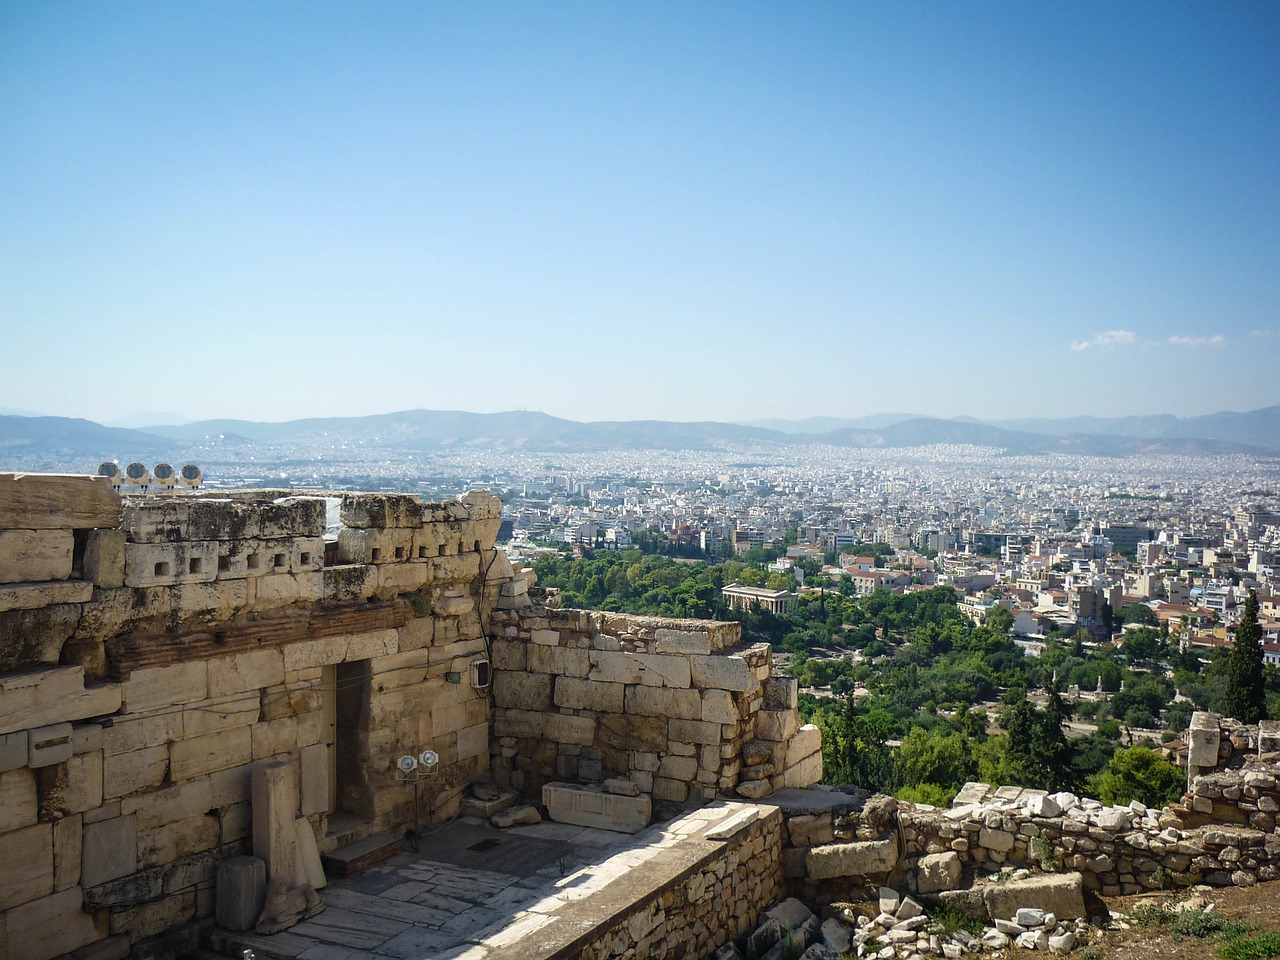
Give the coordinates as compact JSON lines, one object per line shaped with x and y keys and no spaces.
{"x":60,"y":438}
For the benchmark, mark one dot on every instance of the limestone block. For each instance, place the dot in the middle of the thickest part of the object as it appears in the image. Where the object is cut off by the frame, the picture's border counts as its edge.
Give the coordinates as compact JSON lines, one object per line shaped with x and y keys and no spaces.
{"x":694,"y":731}
{"x":175,"y":519}
{"x":591,"y":807}
{"x":29,"y":637}
{"x":84,"y":783}
{"x":27,"y":556}
{"x":664,"y":702}
{"x":418,"y":633}
{"x":310,"y":871}
{"x":31,"y":596}
{"x":1203,"y":739}
{"x":281,"y":589}
{"x":678,"y":768}
{"x":1268,"y":736}
{"x":55,"y":925}
{"x":197,"y":756}
{"x":575,"y":694}
{"x":672,"y":791}
{"x":67,"y":835}
{"x":527,"y":724}
{"x":275,"y":803}
{"x":998,"y":840}
{"x":522,"y":691}
{"x":381,"y":510}
{"x":719,"y":706}
{"x":1061,"y":894}
{"x":48,"y":745}
{"x":293,"y":518}
{"x":126,"y":736}
{"x":17,"y":800}
{"x":236,"y":822}
{"x":205,"y":718}
{"x":45,"y":501}
{"x":154,"y":688}
{"x":473,"y":741}
{"x":777,"y":724}
{"x":781,"y":693}
{"x":170,"y":805}
{"x":86,"y":738}
{"x":351,"y":581}
{"x":109,"y":850}
{"x":808,"y":771}
{"x":126,"y":773}
{"x":374,"y":546}
{"x":26,"y":865}
{"x":217,"y":601}
{"x":652,"y":670}
{"x":242,"y":891}
{"x":682,"y":641}
{"x":164,"y":564}
{"x":938,"y":871}
{"x":395,"y":579}
{"x":803,"y":743}
{"x":723,"y":673}
{"x":13,"y":752}
{"x":561,"y":661}
{"x":562,"y":728}
{"x":860,"y":859}
{"x":511,"y":654}
{"x":314,"y":765}
{"x":240,"y":672}
{"x":104,"y":558}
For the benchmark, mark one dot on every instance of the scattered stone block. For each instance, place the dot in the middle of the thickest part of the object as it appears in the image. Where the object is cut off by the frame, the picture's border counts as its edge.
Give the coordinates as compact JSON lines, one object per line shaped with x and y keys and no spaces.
{"x":858,"y":859}
{"x":939,"y":871}
{"x":1061,"y":894}
{"x":521,"y":816}
{"x":592,"y":807}
{"x":242,"y":892}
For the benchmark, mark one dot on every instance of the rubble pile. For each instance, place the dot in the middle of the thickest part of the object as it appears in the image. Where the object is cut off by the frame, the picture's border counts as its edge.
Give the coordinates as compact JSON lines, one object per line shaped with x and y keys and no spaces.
{"x":901,"y":930}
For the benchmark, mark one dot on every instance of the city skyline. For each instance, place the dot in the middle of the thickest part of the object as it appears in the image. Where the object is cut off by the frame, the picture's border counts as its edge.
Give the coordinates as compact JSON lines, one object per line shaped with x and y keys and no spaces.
{"x":611,"y":213}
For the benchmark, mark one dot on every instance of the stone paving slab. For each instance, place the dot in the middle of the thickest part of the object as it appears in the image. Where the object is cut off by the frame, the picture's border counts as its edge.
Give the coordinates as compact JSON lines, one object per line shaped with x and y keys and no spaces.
{"x":476,"y":893}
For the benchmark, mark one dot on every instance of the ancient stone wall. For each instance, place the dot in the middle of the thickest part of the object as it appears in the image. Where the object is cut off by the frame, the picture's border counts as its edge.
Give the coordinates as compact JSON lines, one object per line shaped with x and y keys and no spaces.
{"x":154,"y":650}
{"x":1223,"y":832}
{"x":679,"y":707}
{"x":702,"y":884}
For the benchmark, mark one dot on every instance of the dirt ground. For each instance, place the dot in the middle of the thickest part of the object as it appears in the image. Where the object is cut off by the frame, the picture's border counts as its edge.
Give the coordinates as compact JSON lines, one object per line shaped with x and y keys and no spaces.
{"x":1259,"y":905}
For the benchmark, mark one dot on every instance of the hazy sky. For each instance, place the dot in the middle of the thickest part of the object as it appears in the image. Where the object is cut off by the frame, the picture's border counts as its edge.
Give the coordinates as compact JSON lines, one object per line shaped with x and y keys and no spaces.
{"x":632,"y":210}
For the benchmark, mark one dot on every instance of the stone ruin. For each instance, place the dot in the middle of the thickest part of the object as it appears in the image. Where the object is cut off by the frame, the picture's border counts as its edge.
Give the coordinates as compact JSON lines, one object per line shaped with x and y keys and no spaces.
{"x":204,"y":697}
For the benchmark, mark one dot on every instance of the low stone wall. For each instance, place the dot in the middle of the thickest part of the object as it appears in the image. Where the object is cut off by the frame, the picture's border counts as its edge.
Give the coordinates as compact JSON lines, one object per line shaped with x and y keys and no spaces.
{"x":702,"y":884}
{"x":1224,"y":832}
{"x":677,"y":706}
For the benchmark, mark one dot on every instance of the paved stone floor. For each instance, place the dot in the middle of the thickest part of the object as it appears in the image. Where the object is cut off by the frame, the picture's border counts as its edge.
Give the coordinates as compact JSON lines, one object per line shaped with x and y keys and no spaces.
{"x":466,"y":884}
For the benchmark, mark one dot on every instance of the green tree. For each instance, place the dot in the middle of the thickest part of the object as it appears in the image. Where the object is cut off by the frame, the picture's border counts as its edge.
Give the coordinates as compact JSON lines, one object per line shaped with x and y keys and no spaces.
{"x":999,"y":620}
{"x":1246,"y":698}
{"x":1138,"y":773}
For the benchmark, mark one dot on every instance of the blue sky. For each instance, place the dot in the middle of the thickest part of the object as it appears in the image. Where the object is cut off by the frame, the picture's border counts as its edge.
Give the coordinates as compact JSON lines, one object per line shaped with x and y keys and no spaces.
{"x":639,"y":210}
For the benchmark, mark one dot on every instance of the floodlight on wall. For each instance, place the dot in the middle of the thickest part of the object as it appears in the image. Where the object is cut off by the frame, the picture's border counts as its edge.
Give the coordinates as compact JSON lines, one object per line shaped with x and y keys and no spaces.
{"x":137,"y":475}
{"x":407,"y":764}
{"x":416,"y":770}
{"x":111,"y":470}
{"x":164,"y":476}
{"x":428,"y":758}
{"x":190,"y":476}
{"x":480,"y":674}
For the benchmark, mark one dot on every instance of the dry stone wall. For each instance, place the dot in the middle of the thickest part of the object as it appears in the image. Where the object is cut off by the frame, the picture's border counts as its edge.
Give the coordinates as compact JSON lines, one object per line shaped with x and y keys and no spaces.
{"x":154,"y":650}
{"x":1224,"y":831}
{"x":679,"y":707}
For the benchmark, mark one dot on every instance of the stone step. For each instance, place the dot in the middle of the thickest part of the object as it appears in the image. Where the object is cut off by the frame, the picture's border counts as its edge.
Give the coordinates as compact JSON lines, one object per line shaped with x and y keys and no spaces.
{"x":360,"y":856}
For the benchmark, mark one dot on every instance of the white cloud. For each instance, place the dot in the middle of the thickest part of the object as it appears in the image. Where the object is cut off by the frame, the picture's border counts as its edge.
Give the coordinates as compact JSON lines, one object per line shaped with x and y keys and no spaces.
{"x":1262,"y":334}
{"x":1109,"y":338}
{"x":1217,"y":340}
